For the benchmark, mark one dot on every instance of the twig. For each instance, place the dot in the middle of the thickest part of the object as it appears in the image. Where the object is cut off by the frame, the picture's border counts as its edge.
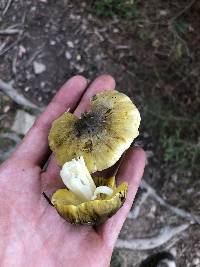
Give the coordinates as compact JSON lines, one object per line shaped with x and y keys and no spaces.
{"x":165,"y":235}
{"x":180,"y":212}
{"x":170,"y":23}
{"x":123,"y":47}
{"x":185,"y":9}
{"x":35,"y":54}
{"x":12,"y":45}
{"x":9,"y":31}
{"x":101,"y":38}
{"x":14,"y":62}
{"x":19,"y":38}
{"x":176,"y":35}
{"x":2,"y":46}
{"x":16,"y":97}
{"x":7,"y":7}
{"x":133,"y":214}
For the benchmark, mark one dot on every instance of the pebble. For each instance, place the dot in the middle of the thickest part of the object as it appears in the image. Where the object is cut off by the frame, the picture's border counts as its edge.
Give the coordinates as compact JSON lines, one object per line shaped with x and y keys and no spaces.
{"x":79,"y":68}
{"x":68,"y":55}
{"x":163,"y":12}
{"x":83,"y":27}
{"x":42,"y":84}
{"x":156,"y":43}
{"x":38,"y":67}
{"x":78,"y":57}
{"x":22,"y":50}
{"x":39,"y":98}
{"x":115,"y":30}
{"x":70,"y":44}
{"x":23,"y":122}
{"x":196,"y":261}
{"x":174,"y":177}
{"x":6,"y":109}
{"x":33,"y":8}
{"x":52,"y":42}
{"x":26,"y":89}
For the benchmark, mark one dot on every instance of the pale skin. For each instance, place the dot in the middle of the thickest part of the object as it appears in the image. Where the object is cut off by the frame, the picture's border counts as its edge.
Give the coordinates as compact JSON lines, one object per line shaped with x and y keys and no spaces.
{"x":31,"y":231}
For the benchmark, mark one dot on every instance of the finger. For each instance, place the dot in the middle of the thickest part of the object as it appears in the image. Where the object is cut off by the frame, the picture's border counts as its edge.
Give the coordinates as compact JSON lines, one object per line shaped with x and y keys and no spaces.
{"x":130,"y":171}
{"x":34,"y":147}
{"x":104,"y":82}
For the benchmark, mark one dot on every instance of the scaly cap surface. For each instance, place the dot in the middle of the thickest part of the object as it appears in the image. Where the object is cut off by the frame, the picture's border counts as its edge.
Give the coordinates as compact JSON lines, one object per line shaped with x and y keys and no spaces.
{"x":100,"y":136}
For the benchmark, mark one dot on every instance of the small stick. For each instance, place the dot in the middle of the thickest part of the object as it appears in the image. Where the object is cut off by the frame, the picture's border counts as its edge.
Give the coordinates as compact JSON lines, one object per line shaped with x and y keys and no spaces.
{"x":16,"y":97}
{"x":133,"y":214}
{"x":185,"y":9}
{"x":9,"y":31}
{"x":180,"y":212}
{"x":7,"y":7}
{"x":164,"y":236}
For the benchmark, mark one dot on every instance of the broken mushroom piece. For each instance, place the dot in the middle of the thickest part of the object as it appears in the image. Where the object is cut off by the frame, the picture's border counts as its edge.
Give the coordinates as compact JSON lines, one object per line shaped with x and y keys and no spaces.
{"x":87,"y":201}
{"x":100,"y":135}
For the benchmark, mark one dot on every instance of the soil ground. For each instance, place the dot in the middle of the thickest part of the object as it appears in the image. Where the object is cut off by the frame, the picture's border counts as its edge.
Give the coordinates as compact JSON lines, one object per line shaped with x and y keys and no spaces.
{"x":153,"y":52}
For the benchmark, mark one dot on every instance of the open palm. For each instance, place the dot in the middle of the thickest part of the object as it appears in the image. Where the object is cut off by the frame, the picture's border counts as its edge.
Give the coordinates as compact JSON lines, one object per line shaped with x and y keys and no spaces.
{"x":31,"y":231}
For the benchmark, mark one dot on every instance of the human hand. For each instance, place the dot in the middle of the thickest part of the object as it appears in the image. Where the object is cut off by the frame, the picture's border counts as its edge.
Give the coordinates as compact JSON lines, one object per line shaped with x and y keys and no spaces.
{"x":32,"y":233}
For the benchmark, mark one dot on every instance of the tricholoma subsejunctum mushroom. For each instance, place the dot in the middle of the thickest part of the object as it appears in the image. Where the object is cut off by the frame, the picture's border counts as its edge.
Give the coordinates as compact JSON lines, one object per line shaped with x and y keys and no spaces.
{"x":88,"y":144}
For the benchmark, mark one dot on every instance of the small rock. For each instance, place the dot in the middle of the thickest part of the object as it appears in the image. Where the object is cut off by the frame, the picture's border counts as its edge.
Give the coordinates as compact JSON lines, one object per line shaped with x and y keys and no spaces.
{"x":42,"y":84}
{"x":190,"y":28}
{"x":52,"y":42}
{"x":78,"y":57}
{"x":33,"y":8}
{"x":29,"y":75}
{"x":83,"y":27}
{"x":174,"y":177}
{"x":196,"y":262}
{"x":190,"y":190}
{"x":23,"y":122}
{"x":70,"y":44}
{"x":83,"y":4}
{"x":163,"y":13}
{"x":39,"y":98}
{"x":68,"y":55}
{"x":27,"y":88}
{"x":79,"y":68}
{"x":115,"y":30}
{"x":98,"y":57}
{"x":38,"y":67}
{"x":156,"y":43}
{"x":6,"y":109}
{"x":152,"y":211}
{"x":22,"y":50}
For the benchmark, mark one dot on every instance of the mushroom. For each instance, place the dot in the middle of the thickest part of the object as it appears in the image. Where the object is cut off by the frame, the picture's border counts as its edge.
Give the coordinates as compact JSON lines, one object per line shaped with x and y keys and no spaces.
{"x":87,"y":201}
{"x":100,"y":135}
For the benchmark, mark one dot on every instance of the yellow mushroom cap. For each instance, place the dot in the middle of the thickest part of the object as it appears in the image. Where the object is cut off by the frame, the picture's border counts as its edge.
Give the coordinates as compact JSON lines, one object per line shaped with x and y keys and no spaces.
{"x":100,"y":136}
{"x":91,"y":212}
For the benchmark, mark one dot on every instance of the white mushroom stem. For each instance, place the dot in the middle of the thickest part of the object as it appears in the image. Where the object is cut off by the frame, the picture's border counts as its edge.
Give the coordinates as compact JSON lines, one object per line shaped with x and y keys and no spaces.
{"x":102,"y":190}
{"x":77,"y":178}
